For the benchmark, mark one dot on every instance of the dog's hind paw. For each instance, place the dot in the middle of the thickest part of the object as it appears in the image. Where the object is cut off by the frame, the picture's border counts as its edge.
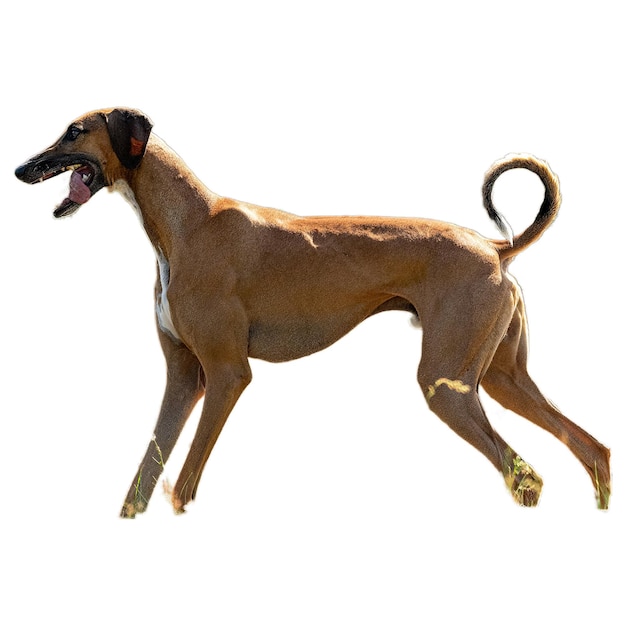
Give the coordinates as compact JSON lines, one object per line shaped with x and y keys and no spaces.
{"x":523,"y":482}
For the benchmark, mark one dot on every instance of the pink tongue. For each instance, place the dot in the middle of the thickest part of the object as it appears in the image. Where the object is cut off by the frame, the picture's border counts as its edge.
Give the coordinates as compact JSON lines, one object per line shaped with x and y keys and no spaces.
{"x":79,"y":192}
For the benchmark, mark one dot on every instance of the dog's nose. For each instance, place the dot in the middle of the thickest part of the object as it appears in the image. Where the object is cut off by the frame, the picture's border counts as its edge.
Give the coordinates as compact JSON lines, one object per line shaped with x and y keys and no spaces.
{"x":20,"y":170}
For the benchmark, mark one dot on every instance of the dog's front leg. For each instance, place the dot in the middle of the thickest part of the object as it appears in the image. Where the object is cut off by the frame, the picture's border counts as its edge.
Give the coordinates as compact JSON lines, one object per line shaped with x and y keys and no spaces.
{"x":185,"y":386}
{"x":225,"y":381}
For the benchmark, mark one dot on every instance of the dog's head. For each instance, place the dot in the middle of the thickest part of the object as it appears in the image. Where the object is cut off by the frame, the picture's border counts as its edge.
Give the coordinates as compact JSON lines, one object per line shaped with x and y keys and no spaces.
{"x":99,"y":148}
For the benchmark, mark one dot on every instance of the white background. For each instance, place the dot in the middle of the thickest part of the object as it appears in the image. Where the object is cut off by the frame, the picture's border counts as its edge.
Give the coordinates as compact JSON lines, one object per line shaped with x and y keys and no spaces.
{"x":333,"y":495}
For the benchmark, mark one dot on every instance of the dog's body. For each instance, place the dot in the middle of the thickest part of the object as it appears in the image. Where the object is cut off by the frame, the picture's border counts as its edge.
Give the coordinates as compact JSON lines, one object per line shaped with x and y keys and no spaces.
{"x":238,"y":281}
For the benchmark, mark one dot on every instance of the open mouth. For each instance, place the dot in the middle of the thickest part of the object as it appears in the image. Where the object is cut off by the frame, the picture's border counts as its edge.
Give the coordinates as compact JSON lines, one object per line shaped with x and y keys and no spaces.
{"x":80,"y":180}
{"x":86,"y":179}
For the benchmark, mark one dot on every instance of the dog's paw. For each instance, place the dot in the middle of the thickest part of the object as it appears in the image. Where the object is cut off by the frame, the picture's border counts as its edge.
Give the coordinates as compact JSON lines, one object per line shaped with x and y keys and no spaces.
{"x":523,"y":482}
{"x":129,"y":511}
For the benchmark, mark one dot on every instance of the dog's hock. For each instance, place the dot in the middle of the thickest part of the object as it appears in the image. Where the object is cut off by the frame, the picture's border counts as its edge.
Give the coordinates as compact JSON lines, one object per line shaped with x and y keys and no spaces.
{"x":454,"y":385}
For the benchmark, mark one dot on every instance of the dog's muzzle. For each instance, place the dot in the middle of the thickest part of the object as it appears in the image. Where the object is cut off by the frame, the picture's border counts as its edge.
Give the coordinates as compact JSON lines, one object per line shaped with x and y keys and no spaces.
{"x":85,"y":181}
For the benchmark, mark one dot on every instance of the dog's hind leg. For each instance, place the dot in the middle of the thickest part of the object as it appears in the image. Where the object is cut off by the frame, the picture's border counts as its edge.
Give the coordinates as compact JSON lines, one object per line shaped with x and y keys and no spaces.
{"x":457,"y":345}
{"x":185,"y":386}
{"x":508,"y":382}
{"x":458,"y":405}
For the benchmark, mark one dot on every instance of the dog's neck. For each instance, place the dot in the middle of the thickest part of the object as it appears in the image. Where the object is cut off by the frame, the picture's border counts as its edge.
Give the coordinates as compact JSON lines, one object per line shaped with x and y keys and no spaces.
{"x":160,"y":213}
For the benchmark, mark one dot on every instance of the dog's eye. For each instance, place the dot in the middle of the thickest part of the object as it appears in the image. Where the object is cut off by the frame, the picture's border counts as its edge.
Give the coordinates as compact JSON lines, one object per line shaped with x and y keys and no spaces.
{"x":72,"y":133}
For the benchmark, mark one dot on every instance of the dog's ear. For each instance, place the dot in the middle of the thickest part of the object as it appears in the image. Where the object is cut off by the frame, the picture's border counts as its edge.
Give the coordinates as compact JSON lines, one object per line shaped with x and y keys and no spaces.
{"x":129,"y":132}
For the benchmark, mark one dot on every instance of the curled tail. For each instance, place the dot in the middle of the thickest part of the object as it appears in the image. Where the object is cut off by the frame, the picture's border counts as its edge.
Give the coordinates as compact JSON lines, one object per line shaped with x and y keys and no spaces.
{"x":514,"y":244}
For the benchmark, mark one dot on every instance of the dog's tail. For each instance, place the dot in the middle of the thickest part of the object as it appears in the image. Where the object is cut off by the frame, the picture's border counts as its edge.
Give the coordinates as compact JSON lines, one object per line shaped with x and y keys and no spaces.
{"x":514,"y":244}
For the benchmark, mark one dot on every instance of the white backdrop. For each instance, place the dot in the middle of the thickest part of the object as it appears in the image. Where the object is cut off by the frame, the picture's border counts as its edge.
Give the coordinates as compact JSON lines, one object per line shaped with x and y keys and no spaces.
{"x":333,"y":495}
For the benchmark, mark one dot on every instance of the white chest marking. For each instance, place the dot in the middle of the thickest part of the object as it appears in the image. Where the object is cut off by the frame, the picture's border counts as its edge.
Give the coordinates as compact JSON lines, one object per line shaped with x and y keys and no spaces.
{"x":163,"y":313}
{"x":162,"y":305}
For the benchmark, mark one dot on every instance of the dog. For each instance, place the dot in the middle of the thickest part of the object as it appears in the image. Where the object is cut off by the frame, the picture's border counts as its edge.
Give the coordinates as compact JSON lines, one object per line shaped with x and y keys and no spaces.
{"x":238,"y":281}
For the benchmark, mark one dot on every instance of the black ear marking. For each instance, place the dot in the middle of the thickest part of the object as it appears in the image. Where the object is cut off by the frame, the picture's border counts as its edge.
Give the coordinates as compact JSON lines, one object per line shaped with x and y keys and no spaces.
{"x":129,"y":131}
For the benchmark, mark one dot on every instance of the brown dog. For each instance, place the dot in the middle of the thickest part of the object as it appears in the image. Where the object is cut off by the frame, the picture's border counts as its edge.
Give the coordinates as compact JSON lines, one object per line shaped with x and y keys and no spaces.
{"x":237,"y":281}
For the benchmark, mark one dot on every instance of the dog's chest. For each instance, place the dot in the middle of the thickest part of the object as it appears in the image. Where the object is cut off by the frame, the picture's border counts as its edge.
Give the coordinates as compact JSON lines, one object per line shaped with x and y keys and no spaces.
{"x":162,"y":305}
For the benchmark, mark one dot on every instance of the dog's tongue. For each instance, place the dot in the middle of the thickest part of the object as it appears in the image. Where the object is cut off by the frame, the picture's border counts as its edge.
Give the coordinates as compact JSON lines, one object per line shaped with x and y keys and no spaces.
{"x":79,"y":192}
